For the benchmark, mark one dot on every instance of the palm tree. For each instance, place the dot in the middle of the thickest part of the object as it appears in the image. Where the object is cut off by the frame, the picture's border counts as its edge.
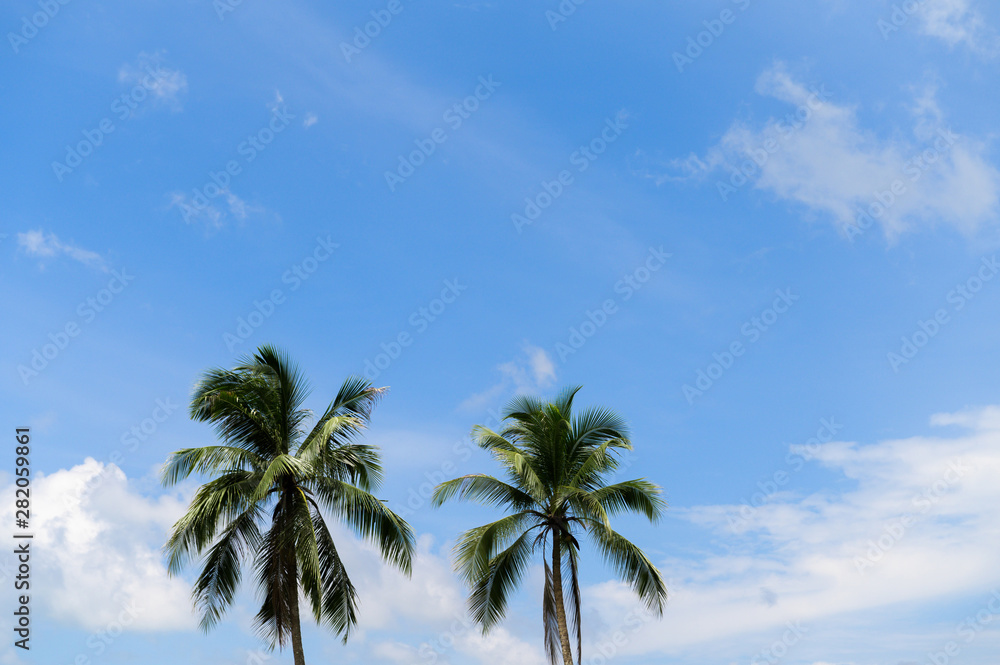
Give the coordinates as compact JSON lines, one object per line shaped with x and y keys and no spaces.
{"x":556,"y":466}
{"x":273,"y":478}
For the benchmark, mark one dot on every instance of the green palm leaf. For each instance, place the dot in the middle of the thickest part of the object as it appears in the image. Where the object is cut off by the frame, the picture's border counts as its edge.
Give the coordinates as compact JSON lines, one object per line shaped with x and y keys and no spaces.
{"x":556,"y":465}
{"x":271,"y":478}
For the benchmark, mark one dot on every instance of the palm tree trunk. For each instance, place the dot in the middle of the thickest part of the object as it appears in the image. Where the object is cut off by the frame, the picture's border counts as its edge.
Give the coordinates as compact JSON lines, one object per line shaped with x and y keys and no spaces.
{"x":292,"y":588}
{"x":557,"y":592}
{"x":298,"y":655}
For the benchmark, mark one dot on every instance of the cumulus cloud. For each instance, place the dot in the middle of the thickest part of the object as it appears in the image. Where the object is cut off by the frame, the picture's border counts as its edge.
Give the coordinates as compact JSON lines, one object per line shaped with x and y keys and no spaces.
{"x":43,"y":245}
{"x":819,"y":156}
{"x":904,"y":522}
{"x":98,"y":550}
{"x":99,"y":559}
{"x":422,"y":618}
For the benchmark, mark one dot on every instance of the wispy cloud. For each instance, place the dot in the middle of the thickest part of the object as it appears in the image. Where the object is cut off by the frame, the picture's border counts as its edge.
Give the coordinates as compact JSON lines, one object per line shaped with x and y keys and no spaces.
{"x":531,"y":371}
{"x":212,"y":217}
{"x":908,"y":521}
{"x":48,"y":246}
{"x":958,"y":23}
{"x":166,"y":86}
{"x":825,"y":160}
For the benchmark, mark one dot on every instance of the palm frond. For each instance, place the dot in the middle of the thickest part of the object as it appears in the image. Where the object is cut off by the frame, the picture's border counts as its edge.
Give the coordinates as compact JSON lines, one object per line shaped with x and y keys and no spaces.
{"x":216,"y":586}
{"x":637,"y":496}
{"x":219,"y":501}
{"x":238,"y":412}
{"x":209,"y":459}
{"x":370,"y":518}
{"x":483,"y":489}
{"x":339,"y":603}
{"x":477,"y":547}
{"x":632,"y":567}
{"x":277,"y":577}
{"x":488,"y":600}
{"x":550,"y":620}
{"x":575,"y":599}
{"x":281,"y":467}
{"x":289,"y":388}
{"x":596,"y":463}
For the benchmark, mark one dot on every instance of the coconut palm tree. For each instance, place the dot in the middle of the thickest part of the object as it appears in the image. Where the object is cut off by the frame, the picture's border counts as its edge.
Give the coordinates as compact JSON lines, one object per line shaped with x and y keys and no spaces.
{"x":273,"y":479}
{"x":556,"y":467}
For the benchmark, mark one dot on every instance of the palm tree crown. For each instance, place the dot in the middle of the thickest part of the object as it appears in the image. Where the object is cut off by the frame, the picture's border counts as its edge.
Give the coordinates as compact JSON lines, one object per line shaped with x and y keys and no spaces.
{"x":557,"y":467}
{"x":273,"y":478}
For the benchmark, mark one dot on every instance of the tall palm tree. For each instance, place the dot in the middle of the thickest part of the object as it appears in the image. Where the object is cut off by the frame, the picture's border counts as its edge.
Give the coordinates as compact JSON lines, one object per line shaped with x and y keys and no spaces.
{"x":557,"y":466}
{"x":273,"y":478}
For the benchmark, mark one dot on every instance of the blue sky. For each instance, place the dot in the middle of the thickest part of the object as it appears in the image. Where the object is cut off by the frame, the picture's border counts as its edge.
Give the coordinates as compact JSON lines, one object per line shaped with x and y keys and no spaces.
{"x":766,"y":235}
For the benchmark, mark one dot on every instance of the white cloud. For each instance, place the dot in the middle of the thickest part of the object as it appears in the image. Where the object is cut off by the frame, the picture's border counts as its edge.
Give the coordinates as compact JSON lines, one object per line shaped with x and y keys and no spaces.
{"x":429,"y":607}
{"x":956,"y":22}
{"x":310,"y":120}
{"x":912,"y":522}
{"x":203,"y":211}
{"x":824,"y":160}
{"x":165,"y":86}
{"x":987,"y":418}
{"x":47,"y":245}
{"x":530,"y":372}
{"x":97,"y":553}
{"x":97,"y":550}
{"x":499,"y":647}
{"x":278,"y":103}
{"x":795,"y":558}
